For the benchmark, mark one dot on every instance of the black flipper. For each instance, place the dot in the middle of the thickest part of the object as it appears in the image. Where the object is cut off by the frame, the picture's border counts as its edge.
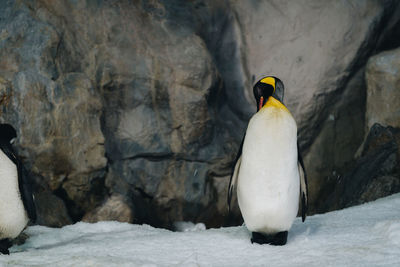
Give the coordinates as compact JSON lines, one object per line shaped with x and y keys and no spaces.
{"x":303,"y":185}
{"x":278,"y":239}
{"x":25,"y":187}
{"x":235,"y":171}
{"x":5,"y":244}
{"x":24,"y":183}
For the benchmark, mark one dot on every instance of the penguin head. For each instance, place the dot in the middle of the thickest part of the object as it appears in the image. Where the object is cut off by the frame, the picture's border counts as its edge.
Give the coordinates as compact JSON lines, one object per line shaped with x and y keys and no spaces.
{"x":7,"y":134}
{"x":266,"y":87}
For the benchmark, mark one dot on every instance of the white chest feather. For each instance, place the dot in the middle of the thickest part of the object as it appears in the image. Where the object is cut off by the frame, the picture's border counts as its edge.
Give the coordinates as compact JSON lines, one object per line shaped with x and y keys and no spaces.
{"x":268,"y":182}
{"x":13,"y":217}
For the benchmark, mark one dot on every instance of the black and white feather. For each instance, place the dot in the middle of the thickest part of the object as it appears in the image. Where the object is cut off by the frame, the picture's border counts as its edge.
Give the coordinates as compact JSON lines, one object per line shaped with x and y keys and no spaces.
{"x":16,"y":200}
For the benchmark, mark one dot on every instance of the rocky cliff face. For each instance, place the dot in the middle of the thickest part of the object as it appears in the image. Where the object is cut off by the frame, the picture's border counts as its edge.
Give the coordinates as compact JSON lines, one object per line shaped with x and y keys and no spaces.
{"x":134,"y":111}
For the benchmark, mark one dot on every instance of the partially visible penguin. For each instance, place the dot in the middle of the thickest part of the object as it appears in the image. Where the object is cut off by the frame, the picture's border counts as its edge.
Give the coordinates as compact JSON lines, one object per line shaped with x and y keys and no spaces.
{"x":16,"y":200}
{"x":269,"y":171}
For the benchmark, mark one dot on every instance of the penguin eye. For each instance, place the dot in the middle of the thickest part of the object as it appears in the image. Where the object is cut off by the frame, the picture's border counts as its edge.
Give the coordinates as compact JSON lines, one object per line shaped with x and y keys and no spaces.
{"x":12,"y":141}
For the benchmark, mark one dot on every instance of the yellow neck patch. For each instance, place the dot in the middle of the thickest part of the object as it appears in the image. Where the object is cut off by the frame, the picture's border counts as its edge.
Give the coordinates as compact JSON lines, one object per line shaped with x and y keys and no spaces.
{"x":273,"y":102}
{"x":268,"y":80}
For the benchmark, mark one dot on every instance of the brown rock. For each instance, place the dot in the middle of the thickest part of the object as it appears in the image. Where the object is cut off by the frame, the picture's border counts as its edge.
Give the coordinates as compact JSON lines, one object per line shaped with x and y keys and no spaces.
{"x":383,"y":93}
{"x":51,"y":210}
{"x":376,"y":173}
{"x":114,"y":208}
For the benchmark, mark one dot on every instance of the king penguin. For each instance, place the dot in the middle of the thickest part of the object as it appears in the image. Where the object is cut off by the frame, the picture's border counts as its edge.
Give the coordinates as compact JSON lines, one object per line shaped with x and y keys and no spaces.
{"x":269,"y":171}
{"x":16,"y":199}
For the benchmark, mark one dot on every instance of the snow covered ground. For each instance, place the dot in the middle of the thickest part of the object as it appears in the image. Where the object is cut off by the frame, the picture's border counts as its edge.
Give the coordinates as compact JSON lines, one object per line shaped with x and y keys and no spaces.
{"x":367,"y":235}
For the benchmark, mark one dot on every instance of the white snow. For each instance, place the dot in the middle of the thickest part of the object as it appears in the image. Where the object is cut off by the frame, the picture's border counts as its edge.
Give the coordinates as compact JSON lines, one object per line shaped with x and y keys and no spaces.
{"x":188,"y":226}
{"x":366,"y":235}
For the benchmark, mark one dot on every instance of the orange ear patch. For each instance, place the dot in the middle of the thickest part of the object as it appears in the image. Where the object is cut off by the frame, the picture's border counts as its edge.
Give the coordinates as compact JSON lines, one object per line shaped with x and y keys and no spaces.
{"x":260,"y":105}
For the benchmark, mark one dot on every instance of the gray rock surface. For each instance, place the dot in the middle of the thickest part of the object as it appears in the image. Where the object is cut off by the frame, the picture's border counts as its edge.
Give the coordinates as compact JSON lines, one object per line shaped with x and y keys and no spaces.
{"x":375,"y":174}
{"x":311,"y":45}
{"x":339,"y":139}
{"x":383,"y":93}
{"x":51,"y":210}
{"x":113,"y":209}
{"x":56,"y":114}
{"x":134,"y":111}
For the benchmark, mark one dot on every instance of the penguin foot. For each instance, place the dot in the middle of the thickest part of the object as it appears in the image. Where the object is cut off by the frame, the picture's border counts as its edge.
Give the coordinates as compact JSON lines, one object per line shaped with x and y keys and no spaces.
{"x":5,"y":244}
{"x":278,"y":239}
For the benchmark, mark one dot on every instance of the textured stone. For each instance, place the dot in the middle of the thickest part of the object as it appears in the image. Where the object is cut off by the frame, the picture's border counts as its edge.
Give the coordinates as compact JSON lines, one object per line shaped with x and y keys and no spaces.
{"x":154,"y":93}
{"x":51,"y":210}
{"x":380,"y":187}
{"x":114,"y":208}
{"x":57,"y":115}
{"x":310,"y":45}
{"x":336,"y":144}
{"x":375,"y":174}
{"x":383,"y":94}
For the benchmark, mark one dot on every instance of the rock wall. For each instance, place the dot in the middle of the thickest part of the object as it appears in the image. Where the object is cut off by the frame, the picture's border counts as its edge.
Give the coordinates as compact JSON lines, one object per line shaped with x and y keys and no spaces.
{"x":134,"y":110}
{"x":383,"y":80}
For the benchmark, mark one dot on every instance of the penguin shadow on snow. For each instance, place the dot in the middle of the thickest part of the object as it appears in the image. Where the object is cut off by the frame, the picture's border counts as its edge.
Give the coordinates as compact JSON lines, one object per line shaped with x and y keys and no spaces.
{"x":57,"y":243}
{"x":302,"y":232}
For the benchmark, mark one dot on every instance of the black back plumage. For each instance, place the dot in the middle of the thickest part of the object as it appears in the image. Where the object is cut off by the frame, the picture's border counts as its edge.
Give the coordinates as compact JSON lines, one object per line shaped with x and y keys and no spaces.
{"x":7,"y":133}
{"x":230,"y":188}
{"x":303,"y":195}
